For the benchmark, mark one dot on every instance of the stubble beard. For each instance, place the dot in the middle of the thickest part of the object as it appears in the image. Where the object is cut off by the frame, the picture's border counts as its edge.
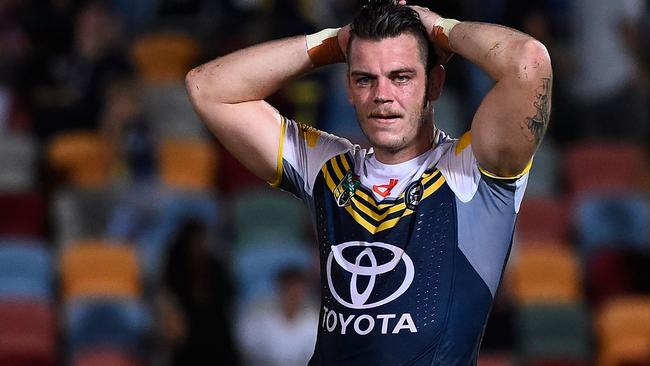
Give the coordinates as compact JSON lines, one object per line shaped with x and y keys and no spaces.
{"x":404,"y":141}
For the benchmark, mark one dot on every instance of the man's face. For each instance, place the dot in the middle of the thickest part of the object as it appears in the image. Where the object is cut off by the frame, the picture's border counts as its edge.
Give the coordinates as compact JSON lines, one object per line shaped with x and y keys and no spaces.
{"x":387,"y":85}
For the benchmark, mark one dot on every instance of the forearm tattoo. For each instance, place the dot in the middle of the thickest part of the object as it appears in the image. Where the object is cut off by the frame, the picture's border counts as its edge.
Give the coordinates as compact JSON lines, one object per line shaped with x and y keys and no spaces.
{"x":538,"y":123}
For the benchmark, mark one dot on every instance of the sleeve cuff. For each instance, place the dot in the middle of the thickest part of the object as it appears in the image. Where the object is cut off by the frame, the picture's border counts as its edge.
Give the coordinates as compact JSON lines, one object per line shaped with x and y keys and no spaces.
{"x":278,"y":170}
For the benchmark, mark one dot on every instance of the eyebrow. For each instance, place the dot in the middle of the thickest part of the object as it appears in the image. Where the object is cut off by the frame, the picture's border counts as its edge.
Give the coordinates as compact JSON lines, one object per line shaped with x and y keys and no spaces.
{"x":404,"y":70}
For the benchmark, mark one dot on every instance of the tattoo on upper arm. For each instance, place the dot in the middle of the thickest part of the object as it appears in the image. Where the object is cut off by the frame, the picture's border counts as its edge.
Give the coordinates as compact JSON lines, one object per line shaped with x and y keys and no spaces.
{"x":538,"y":123}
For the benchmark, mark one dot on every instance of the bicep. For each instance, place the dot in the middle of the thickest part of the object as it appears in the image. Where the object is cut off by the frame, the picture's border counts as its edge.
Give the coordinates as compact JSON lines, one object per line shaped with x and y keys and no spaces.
{"x":511,"y":121}
{"x":250,"y":131}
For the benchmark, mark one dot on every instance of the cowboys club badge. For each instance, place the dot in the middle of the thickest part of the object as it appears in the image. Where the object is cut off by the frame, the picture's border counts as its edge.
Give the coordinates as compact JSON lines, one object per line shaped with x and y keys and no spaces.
{"x":345,"y":189}
{"x":413,"y":195}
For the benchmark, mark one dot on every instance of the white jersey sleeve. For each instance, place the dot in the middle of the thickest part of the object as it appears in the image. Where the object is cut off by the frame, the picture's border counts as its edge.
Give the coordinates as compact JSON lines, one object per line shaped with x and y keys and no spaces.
{"x":463,"y":174}
{"x":303,"y":151}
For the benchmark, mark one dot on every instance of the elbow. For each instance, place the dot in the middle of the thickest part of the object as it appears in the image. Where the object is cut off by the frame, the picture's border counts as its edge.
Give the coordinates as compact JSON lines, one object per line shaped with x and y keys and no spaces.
{"x":531,"y":61}
{"x":192,"y":83}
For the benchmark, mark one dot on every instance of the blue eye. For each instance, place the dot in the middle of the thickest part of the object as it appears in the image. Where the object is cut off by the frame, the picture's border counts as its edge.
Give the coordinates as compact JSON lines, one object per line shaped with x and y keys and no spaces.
{"x":402,"y":78}
{"x":363,"y":81}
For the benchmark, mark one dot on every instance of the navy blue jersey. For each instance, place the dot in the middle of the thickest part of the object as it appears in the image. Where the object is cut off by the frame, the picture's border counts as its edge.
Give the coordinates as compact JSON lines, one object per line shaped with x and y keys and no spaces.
{"x":411,"y":254}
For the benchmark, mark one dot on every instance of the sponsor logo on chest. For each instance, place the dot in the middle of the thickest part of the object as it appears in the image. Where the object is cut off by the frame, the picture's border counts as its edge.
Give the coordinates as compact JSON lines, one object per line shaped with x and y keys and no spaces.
{"x":365,"y":271}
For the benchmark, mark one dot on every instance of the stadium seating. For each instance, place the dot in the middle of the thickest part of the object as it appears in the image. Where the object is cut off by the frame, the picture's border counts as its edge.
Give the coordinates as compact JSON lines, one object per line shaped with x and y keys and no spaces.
{"x":604,"y":166}
{"x":97,"y":269}
{"x":23,"y":214}
{"x":104,"y":357}
{"x":27,"y":334}
{"x":255,"y":267}
{"x":25,"y":271}
{"x":80,"y":158}
{"x":189,"y":165}
{"x":79,"y":213}
{"x":118,"y":324}
{"x":542,"y":221}
{"x":623,"y":330}
{"x":546,"y":274}
{"x":550,"y":331}
{"x":619,"y":221}
{"x":174,"y":210}
{"x":172,"y":111}
{"x":164,"y":57}
{"x":266,"y":214}
{"x":18,"y":154}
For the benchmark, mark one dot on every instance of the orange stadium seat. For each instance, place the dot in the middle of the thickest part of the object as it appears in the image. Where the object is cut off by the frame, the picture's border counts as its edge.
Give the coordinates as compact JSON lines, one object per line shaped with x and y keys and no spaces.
{"x":27,"y":334}
{"x":164,"y":57}
{"x":623,"y":330}
{"x":188,"y":164}
{"x":81,"y":157}
{"x":99,"y":269}
{"x":546,"y":274}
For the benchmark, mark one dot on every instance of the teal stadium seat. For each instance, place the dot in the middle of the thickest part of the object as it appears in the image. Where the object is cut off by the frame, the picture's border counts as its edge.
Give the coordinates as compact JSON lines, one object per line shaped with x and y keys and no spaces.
{"x":554,"y":332}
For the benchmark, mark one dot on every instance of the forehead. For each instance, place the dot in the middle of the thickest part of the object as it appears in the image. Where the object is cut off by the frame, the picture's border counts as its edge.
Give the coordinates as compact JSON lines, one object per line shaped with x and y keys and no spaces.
{"x":385,"y":54}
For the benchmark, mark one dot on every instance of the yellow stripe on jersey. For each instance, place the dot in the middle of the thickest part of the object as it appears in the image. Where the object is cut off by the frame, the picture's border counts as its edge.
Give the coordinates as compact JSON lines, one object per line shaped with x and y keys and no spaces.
{"x":358,"y":218}
{"x":337,"y":170}
{"x":463,"y":142}
{"x":364,"y":209}
{"x":278,"y":170}
{"x":494,"y":176}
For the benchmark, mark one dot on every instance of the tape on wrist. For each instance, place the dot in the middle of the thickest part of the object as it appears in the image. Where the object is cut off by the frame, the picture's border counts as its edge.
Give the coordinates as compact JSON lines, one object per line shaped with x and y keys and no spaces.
{"x":323,"y":47}
{"x":441,"y":31}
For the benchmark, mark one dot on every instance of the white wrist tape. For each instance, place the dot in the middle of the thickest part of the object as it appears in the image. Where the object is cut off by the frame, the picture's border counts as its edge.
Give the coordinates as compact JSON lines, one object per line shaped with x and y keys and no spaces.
{"x":446,"y":25}
{"x":316,"y":39}
{"x":323,"y":47}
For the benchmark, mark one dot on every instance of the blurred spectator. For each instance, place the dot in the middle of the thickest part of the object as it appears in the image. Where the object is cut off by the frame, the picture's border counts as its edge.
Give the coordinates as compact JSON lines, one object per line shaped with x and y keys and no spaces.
{"x":283,"y":332}
{"x":606,"y":44}
{"x":67,"y":88}
{"x":195,"y":302}
{"x":15,"y":47}
{"x":128,"y":132}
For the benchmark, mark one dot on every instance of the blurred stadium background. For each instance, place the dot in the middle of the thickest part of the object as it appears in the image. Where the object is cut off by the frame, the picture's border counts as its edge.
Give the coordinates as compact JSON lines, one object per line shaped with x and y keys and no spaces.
{"x":128,"y":236}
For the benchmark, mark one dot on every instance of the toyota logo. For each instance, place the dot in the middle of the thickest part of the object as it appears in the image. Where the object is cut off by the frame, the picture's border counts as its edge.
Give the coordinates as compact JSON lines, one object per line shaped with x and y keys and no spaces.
{"x":359,"y":300}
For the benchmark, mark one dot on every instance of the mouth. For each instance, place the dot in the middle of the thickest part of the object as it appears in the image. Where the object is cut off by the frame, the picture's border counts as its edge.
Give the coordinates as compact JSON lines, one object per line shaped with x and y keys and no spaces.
{"x":384,"y":117}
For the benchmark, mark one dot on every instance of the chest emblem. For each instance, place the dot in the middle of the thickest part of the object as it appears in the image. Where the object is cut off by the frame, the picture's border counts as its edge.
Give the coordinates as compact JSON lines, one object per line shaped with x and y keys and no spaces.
{"x":345,"y":189}
{"x":413,"y":195}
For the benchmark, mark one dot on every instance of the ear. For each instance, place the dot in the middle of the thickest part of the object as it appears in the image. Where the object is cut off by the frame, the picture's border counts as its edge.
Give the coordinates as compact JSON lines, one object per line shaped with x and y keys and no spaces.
{"x":436,"y":82}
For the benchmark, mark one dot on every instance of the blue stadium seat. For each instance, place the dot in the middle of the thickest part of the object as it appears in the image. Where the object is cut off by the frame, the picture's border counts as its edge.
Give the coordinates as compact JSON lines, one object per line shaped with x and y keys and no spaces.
{"x":25,"y":270}
{"x":255,"y":267}
{"x":116,"y":324}
{"x":606,"y":220}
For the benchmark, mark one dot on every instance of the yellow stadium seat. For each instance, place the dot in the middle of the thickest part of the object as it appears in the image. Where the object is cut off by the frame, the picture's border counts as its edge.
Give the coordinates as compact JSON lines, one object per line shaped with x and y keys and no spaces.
{"x":188,"y":164}
{"x":82,"y":157}
{"x":164,"y":57}
{"x":623,"y":330}
{"x":98,"y":269}
{"x":546,"y":274}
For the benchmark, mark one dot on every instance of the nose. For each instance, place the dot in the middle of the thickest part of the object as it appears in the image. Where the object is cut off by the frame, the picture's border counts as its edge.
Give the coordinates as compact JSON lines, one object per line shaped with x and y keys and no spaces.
{"x":383,"y":91}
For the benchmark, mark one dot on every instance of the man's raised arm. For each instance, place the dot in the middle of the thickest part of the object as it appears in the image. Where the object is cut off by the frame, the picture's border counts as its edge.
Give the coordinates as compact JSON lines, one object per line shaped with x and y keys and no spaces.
{"x":228,"y":94}
{"x":513,"y":117}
